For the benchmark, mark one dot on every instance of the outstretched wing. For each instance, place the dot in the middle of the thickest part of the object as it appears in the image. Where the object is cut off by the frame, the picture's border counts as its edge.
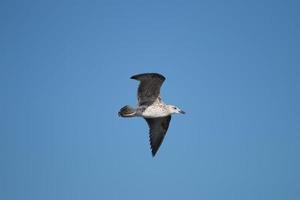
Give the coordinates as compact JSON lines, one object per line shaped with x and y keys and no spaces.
{"x":158,"y":129}
{"x":149,"y":88}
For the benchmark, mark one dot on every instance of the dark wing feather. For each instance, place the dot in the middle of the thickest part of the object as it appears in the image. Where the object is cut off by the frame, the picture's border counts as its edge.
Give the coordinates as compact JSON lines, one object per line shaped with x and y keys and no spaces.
{"x":149,"y":88}
{"x":158,"y":129}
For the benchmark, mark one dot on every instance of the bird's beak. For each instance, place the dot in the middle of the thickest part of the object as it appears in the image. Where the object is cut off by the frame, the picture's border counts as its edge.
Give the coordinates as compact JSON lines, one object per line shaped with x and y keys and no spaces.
{"x":182,"y":112}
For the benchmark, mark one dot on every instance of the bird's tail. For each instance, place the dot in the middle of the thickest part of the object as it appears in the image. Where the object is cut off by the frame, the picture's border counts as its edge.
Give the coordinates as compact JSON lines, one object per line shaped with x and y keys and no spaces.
{"x":127,"y":111}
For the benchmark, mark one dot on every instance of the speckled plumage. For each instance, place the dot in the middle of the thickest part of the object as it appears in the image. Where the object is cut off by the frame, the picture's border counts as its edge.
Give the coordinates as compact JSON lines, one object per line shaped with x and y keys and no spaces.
{"x":151,"y":107}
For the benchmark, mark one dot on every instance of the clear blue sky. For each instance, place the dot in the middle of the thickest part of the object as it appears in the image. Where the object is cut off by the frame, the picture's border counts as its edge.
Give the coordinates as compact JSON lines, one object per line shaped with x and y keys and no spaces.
{"x":233,"y":66}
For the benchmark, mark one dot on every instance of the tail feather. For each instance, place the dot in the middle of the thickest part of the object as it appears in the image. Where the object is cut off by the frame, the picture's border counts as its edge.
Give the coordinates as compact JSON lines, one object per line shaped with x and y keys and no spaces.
{"x":127,"y":111}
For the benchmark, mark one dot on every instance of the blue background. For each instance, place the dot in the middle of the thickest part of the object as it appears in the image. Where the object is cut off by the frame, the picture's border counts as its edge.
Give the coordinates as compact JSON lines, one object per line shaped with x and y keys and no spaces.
{"x":233,"y":66}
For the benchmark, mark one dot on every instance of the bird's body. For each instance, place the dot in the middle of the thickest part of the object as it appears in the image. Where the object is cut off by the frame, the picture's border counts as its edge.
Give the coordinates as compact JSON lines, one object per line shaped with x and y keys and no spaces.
{"x":151,"y":107}
{"x":157,"y":109}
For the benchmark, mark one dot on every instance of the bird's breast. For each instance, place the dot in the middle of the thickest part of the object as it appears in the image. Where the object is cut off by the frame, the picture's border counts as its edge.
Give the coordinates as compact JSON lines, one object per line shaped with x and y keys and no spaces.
{"x":155,"y":111}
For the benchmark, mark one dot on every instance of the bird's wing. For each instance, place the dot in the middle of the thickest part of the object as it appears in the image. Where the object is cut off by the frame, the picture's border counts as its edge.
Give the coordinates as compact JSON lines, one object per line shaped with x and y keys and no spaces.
{"x":149,"y":88}
{"x":158,"y":129}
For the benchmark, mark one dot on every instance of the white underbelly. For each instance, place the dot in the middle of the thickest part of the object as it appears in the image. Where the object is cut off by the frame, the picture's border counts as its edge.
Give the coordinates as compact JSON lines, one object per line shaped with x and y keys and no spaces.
{"x":155,"y":111}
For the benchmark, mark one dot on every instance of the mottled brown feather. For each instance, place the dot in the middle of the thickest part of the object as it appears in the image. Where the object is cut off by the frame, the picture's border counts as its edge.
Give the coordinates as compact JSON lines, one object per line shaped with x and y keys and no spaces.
{"x":158,"y":129}
{"x":149,"y":87}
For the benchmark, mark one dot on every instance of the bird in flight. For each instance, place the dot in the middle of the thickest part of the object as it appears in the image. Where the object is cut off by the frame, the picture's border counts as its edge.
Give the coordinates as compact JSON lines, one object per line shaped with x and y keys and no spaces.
{"x":151,"y":107}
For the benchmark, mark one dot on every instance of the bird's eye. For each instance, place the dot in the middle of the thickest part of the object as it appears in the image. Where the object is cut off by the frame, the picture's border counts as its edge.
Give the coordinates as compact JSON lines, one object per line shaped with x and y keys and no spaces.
{"x":175,"y":108}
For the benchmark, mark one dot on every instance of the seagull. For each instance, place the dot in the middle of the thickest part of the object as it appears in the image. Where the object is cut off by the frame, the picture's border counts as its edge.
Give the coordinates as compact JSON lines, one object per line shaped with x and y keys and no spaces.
{"x":151,"y":107}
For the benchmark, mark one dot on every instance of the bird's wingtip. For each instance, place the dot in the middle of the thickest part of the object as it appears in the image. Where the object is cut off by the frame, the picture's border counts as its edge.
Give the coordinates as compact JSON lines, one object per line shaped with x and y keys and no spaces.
{"x":153,"y":152}
{"x":134,"y":77}
{"x":139,"y":76}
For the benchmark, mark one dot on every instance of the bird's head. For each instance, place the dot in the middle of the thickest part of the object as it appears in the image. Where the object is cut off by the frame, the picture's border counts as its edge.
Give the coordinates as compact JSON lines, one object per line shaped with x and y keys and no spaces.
{"x":175,"y":109}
